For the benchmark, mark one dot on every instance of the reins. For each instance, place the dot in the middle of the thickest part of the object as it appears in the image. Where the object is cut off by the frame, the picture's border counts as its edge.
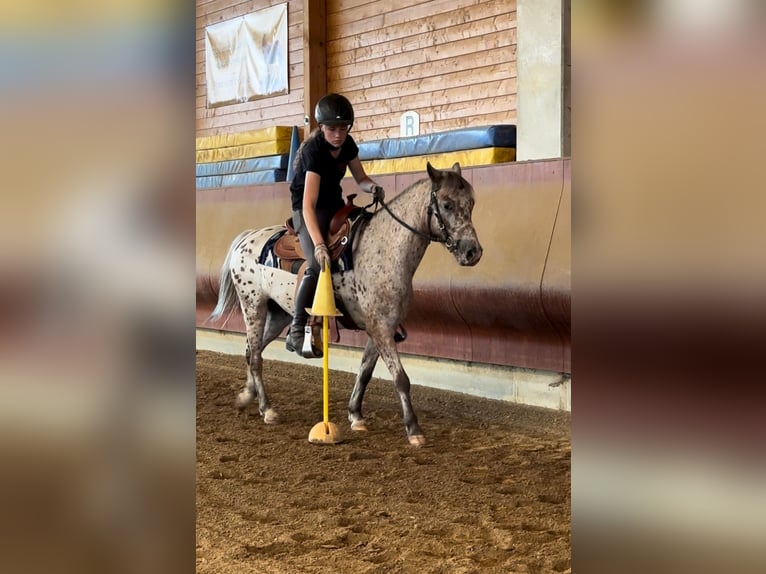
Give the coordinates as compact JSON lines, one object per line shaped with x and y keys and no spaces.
{"x":433,"y":207}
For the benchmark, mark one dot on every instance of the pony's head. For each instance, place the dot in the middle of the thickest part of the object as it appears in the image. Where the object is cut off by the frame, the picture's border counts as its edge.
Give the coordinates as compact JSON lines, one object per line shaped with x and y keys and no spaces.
{"x":450,"y":211}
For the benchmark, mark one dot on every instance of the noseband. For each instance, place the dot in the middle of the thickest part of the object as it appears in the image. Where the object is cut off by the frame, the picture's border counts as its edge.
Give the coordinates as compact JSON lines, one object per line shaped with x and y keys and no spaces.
{"x":433,"y":209}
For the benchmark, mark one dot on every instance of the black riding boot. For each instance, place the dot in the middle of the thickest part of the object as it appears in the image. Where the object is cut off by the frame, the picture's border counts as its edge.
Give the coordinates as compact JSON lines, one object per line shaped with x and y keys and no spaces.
{"x":300,"y":329}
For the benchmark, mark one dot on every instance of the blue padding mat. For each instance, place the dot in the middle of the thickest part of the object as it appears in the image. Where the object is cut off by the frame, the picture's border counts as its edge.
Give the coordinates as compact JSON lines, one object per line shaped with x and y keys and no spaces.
{"x":443,"y":142}
{"x":234,"y":179}
{"x":243,"y":165}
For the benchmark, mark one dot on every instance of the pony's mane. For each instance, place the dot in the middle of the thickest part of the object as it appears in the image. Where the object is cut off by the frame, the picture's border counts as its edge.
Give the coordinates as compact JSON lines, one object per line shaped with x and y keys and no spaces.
{"x":425,"y":180}
{"x":406,"y":191}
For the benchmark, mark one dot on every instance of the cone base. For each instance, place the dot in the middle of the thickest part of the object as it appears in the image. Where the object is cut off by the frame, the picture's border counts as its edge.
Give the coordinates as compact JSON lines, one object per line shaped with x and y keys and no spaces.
{"x":330,"y":434}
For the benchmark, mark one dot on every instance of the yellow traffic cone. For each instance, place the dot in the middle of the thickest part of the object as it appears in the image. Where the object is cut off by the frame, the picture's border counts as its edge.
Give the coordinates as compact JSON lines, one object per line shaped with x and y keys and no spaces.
{"x":324,"y":298}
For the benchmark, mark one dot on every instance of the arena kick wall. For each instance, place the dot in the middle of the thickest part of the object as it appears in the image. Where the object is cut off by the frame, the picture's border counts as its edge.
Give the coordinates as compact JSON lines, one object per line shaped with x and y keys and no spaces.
{"x":512,"y":309}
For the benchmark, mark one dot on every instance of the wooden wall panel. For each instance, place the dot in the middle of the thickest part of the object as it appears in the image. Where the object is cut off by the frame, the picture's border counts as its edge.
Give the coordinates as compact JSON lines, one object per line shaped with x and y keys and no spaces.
{"x":452,"y":61}
{"x":284,"y":110}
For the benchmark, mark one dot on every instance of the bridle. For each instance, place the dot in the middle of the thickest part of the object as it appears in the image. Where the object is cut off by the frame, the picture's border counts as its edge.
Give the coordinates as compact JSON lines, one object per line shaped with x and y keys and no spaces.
{"x":433,"y":209}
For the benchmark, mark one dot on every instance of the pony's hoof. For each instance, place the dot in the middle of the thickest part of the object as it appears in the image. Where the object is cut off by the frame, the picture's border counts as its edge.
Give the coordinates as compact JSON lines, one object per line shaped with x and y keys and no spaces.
{"x":270,"y":417}
{"x":244,"y":400}
{"x":417,"y":440}
{"x":359,"y":426}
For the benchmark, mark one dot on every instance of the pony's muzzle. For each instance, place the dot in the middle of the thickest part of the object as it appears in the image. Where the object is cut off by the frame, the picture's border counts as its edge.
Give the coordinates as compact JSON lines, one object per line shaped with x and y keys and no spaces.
{"x":468,"y":252}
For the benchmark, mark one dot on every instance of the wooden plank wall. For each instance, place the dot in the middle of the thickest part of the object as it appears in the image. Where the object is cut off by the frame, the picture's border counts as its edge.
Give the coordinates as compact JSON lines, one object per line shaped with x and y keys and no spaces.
{"x":284,"y":110}
{"x":452,"y":61}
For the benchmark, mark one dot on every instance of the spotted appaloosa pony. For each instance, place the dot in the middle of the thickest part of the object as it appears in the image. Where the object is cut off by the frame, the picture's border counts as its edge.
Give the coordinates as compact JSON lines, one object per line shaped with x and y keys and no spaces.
{"x":376,"y":293}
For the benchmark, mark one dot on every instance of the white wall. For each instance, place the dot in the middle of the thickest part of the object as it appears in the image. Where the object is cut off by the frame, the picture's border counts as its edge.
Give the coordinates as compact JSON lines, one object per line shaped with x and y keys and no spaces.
{"x":540,"y":98}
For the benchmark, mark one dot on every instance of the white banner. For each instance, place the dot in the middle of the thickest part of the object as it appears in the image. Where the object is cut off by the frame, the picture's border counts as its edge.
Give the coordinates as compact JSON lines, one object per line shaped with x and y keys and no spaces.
{"x":246,"y":57}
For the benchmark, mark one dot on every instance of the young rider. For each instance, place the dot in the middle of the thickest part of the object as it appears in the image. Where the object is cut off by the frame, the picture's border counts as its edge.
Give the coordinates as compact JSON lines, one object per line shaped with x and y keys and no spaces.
{"x":316,"y":194}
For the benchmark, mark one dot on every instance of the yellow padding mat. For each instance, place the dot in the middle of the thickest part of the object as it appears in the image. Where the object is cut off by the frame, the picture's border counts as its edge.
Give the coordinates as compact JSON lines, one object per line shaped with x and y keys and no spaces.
{"x":244,"y":151}
{"x":467,"y":158}
{"x":242,"y":138}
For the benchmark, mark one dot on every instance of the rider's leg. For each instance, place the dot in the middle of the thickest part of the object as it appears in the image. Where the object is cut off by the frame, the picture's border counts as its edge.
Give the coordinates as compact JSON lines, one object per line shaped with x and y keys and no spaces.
{"x":303,"y":299}
{"x":307,"y":288}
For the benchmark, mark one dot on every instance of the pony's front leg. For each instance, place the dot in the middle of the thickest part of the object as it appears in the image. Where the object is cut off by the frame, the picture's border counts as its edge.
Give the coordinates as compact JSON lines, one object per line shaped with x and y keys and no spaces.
{"x":390,"y":356}
{"x":369,"y":358}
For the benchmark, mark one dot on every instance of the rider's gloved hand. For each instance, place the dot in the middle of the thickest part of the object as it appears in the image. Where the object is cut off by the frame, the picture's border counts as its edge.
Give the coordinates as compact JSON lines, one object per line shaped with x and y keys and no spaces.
{"x":377,"y":193}
{"x":322,"y":256}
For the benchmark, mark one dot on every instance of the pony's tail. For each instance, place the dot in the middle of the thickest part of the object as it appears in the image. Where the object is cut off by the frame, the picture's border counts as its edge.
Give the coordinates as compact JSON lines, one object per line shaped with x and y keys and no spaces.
{"x":227,"y":294}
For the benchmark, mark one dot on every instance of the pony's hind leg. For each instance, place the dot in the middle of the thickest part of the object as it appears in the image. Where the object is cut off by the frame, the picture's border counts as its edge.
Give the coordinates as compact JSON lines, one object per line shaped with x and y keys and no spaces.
{"x":255,"y":312}
{"x":276,"y":321}
{"x":247,"y":395}
{"x":262,"y":329}
{"x":369,"y":358}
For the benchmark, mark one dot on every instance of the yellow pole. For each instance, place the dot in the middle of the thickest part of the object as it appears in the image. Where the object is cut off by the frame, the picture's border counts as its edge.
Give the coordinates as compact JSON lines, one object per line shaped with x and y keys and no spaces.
{"x":325,"y":378}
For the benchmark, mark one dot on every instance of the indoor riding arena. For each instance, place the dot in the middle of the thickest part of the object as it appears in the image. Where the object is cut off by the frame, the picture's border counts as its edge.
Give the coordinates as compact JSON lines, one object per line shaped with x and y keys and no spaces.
{"x":487,"y":347}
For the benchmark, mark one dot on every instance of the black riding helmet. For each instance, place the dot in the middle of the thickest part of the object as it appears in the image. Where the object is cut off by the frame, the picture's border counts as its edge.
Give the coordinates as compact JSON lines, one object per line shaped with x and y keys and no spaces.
{"x":334,"y":110}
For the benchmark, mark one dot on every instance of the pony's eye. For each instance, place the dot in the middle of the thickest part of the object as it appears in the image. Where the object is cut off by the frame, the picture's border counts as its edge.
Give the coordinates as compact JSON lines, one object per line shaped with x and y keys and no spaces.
{"x":447,"y":206}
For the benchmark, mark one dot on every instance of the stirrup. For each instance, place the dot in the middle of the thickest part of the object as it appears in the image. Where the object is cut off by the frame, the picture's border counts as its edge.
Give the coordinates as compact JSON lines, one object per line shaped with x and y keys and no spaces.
{"x":306,"y":350}
{"x":309,"y":351}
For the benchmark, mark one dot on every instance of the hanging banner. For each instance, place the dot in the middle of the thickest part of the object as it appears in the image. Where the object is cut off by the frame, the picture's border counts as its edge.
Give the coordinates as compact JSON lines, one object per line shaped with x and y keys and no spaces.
{"x":246,"y":57}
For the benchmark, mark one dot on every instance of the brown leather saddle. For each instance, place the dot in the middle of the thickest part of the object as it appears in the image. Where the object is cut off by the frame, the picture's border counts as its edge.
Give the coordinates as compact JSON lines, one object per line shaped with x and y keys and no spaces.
{"x":291,"y":257}
{"x":288,"y":247}
{"x":342,"y":227}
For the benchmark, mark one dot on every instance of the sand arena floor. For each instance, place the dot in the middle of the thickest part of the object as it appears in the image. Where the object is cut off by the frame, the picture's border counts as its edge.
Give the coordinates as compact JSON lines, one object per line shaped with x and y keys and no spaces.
{"x":490,"y":493}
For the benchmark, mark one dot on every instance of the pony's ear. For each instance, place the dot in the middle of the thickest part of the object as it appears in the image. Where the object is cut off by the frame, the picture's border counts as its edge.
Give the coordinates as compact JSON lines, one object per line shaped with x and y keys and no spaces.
{"x":433,"y":173}
{"x":456,"y":168}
